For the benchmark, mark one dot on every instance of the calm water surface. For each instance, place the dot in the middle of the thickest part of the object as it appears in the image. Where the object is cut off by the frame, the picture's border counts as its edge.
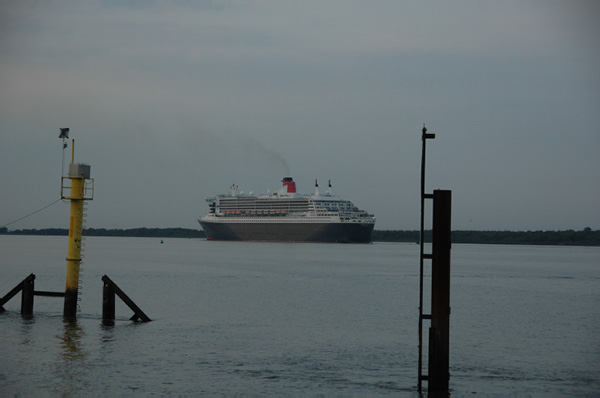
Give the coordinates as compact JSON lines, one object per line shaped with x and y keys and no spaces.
{"x":267,"y":318}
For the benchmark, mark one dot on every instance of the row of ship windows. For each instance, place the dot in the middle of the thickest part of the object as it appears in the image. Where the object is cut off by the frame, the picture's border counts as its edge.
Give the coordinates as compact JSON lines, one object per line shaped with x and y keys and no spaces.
{"x":296,"y":208}
{"x":257,"y":205}
{"x":337,"y":207}
{"x":250,"y":203}
{"x":290,"y":208}
{"x":299,"y":205}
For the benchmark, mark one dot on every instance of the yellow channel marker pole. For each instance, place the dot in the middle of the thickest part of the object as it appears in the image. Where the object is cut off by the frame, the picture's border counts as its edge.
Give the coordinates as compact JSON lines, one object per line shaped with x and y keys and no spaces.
{"x":74,"y":250}
{"x":77,"y":174}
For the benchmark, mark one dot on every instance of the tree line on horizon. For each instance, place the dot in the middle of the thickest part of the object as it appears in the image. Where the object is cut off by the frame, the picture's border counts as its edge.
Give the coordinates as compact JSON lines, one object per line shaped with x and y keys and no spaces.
{"x":585,"y":237}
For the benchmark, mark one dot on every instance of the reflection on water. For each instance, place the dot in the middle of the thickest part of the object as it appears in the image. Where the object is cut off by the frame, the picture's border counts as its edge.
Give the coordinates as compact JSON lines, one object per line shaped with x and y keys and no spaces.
{"x":108,"y":333}
{"x":25,"y":334}
{"x":70,"y":341}
{"x":107,"y":339}
{"x":71,"y":367}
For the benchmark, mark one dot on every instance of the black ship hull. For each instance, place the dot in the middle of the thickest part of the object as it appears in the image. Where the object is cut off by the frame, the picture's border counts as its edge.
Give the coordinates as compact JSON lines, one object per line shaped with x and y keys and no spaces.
{"x":290,"y":232}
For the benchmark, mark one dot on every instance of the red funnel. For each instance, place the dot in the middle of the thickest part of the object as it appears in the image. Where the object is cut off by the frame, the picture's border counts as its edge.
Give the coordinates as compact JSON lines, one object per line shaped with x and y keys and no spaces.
{"x":290,"y":184}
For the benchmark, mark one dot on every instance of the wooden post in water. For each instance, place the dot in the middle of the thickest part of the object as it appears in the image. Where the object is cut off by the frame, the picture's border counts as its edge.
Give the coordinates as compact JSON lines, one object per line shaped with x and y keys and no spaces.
{"x":108,"y":304}
{"x":439,"y":332}
{"x":15,"y":291}
{"x":27,"y":294}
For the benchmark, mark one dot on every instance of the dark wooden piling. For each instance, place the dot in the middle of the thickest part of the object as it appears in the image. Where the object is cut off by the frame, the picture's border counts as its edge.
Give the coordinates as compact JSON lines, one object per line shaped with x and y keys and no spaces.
{"x":439,"y":332}
{"x":27,"y":289}
{"x":27,"y":293}
{"x":108,"y":304}
{"x":110,"y":290}
{"x":14,"y":291}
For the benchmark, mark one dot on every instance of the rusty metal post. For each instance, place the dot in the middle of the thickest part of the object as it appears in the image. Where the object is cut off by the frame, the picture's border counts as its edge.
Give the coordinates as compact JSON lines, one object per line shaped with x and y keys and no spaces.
{"x":27,"y":294}
{"x":439,"y":333}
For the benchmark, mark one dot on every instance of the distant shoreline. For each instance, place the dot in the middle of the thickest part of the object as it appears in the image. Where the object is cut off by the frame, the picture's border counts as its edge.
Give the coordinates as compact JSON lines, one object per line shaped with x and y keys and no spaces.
{"x":585,"y":237}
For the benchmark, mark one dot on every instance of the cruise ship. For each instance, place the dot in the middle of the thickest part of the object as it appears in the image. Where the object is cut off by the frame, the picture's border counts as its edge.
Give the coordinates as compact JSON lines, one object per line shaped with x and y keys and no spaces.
{"x":286,"y":216}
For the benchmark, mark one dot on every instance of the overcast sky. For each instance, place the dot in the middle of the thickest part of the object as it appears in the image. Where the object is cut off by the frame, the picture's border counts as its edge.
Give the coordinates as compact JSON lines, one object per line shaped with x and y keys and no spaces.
{"x":172,"y":102}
